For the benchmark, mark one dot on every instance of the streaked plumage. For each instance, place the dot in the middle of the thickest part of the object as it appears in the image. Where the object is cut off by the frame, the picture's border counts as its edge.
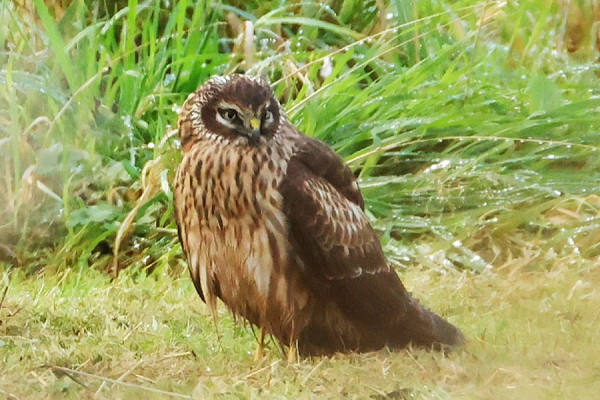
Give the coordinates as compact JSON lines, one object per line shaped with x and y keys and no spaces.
{"x":272,"y":223}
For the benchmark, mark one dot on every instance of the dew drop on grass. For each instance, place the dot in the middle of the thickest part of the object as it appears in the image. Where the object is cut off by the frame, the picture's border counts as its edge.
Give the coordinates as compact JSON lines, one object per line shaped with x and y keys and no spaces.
{"x":266,"y":43}
{"x":457,"y":243}
{"x":326,"y":69}
{"x":444,"y":164}
{"x":169,"y":79}
{"x":572,"y":243}
{"x":476,"y":259}
{"x":127,"y":122}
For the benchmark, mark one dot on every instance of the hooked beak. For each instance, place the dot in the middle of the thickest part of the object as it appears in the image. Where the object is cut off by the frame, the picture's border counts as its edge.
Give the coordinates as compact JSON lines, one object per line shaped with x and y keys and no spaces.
{"x":254,"y":134}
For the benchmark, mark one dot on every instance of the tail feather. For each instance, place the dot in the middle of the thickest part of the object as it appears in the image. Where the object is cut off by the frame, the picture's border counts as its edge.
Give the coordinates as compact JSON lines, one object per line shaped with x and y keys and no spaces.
{"x":421,"y":326}
{"x":385,"y":314}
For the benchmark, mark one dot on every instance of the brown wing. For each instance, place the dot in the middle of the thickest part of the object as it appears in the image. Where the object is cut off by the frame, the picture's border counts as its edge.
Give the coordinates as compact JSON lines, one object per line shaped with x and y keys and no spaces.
{"x":342,"y":258}
{"x":325,"y":209}
{"x":340,"y":254}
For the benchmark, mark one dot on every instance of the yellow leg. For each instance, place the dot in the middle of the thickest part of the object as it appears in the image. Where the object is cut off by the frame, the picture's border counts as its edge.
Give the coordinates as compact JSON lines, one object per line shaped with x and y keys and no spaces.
{"x":261,"y":344}
{"x":293,"y":352}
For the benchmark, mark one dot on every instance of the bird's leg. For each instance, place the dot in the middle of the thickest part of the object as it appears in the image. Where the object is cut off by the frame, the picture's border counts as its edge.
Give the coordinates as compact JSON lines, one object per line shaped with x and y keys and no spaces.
{"x":293,"y":352}
{"x":293,"y":349}
{"x":261,"y":344}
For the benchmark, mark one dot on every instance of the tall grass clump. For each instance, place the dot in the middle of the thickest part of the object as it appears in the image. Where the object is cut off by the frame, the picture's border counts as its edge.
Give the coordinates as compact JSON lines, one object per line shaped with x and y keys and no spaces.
{"x":471,"y":125}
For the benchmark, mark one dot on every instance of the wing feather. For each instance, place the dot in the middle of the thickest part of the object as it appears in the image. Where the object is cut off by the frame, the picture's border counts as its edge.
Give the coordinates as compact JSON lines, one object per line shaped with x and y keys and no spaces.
{"x":326,"y":213}
{"x":342,"y":257}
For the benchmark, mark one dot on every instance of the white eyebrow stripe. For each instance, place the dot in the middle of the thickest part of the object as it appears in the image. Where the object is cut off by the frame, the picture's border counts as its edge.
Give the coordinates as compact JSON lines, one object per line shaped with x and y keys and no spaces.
{"x":223,"y":121}
{"x":245,"y":116}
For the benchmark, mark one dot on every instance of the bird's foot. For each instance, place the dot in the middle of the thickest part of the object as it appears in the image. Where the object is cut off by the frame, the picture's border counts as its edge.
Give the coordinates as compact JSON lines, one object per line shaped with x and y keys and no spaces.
{"x":293,"y":353}
{"x":259,"y":353}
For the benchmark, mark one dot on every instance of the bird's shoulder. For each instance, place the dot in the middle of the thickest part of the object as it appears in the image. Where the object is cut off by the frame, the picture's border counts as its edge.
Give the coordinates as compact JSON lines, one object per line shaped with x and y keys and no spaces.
{"x":325,"y":209}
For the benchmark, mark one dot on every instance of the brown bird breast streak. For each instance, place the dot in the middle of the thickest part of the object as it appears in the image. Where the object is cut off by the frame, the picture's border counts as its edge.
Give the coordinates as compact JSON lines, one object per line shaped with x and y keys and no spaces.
{"x":237,"y":232}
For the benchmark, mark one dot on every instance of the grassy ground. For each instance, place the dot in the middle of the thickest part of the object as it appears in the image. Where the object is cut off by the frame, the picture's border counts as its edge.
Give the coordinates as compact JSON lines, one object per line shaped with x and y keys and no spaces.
{"x":532,"y":334}
{"x":472,"y":125}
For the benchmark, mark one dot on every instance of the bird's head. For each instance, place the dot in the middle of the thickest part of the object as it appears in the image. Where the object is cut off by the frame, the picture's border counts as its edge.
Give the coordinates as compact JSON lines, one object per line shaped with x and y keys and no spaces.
{"x":236,"y":107}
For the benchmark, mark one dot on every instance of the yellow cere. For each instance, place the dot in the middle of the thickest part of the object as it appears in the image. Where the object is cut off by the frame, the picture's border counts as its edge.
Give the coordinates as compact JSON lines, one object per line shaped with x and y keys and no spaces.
{"x":255,"y":123}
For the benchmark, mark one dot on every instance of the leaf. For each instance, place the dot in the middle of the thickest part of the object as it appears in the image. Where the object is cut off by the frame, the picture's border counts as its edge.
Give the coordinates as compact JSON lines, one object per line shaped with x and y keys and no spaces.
{"x":544,"y":95}
{"x":102,"y":212}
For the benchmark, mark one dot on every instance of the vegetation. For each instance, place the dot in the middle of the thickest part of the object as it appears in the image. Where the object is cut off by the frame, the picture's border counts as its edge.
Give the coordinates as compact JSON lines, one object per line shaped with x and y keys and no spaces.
{"x":472,"y":125}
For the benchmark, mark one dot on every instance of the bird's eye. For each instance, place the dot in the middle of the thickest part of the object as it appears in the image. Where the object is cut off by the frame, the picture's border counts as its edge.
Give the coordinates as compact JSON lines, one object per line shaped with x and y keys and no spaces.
{"x":268,"y":116}
{"x":229,"y":114}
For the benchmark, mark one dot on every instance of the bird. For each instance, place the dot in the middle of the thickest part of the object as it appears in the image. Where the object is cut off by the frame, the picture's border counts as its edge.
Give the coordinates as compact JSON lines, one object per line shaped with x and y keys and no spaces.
{"x":272,"y":223}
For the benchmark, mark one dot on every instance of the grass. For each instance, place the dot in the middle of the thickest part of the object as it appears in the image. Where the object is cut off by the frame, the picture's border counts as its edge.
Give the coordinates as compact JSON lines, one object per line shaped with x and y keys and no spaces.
{"x":472,"y":126}
{"x":531,"y":334}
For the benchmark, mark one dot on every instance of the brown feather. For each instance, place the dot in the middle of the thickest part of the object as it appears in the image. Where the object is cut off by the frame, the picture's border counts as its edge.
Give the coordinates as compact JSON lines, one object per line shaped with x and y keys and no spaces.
{"x":275,"y":228}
